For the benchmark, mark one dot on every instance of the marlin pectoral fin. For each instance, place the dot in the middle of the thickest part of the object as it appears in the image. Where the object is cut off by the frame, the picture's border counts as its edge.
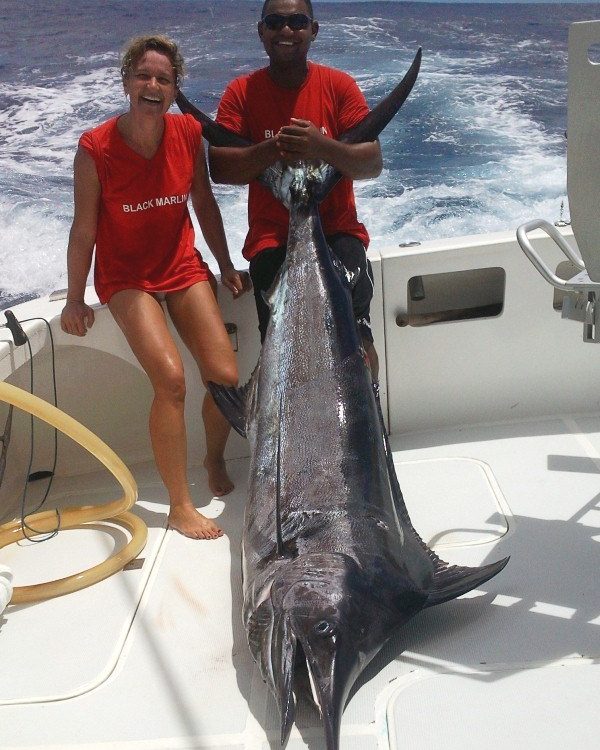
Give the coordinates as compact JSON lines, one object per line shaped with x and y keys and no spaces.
{"x":266,"y":298}
{"x":268,"y":295}
{"x":455,"y":580}
{"x":231,"y":402}
{"x":259,"y":625}
{"x":349,"y":277}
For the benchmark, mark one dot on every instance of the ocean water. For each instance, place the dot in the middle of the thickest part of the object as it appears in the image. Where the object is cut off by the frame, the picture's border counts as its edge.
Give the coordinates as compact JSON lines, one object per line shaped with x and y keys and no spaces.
{"x":479,"y":146}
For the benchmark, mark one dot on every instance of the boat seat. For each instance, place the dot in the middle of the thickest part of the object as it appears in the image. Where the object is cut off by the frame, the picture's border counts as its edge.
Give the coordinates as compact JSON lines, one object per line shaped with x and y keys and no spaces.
{"x":582,"y":291}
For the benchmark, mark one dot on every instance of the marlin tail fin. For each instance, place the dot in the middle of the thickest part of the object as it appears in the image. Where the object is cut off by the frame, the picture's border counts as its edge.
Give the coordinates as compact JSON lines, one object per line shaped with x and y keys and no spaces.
{"x":371,"y":126}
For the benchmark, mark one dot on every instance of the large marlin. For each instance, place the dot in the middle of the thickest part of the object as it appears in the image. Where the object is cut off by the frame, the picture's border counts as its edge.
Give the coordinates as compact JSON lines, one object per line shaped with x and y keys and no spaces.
{"x":332,"y":565}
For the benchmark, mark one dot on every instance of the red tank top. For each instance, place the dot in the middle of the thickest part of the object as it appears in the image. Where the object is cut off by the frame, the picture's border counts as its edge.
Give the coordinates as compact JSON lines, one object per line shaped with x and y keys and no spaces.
{"x":145,"y":236}
{"x":256,"y":108}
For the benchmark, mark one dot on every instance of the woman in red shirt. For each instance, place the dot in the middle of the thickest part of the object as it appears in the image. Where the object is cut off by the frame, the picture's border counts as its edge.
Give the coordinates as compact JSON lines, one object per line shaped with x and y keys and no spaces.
{"x":132,"y":178}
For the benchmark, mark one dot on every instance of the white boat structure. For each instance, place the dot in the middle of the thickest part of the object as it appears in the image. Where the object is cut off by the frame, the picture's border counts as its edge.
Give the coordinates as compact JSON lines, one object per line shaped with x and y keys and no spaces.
{"x":493,"y":407}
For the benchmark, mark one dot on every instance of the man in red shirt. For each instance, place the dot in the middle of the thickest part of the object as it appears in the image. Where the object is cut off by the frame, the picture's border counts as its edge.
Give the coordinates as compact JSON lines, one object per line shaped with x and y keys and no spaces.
{"x":291,"y":110}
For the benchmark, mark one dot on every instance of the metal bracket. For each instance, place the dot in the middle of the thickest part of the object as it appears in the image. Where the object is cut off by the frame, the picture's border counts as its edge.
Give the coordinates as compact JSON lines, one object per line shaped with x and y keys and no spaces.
{"x":591,"y":326}
{"x":581,"y":300}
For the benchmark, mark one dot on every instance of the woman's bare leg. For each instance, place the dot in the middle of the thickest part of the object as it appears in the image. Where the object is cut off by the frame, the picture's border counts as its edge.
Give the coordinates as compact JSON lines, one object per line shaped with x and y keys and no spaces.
{"x":142,"y":320}
{"x":197,"y":317}
{"x":217,"y":431}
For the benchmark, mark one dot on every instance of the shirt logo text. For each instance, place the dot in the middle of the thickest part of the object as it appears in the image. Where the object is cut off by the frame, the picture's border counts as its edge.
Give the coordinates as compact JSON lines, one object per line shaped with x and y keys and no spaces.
{"x":167,"y":200}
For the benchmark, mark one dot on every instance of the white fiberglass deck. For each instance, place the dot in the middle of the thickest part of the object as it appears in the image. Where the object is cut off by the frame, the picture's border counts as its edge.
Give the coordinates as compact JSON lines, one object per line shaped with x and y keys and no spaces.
{"x":156,"y":657}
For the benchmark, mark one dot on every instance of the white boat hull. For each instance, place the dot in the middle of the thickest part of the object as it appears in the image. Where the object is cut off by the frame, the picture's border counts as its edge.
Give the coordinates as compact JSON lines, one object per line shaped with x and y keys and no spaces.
{"x":495,"y":426}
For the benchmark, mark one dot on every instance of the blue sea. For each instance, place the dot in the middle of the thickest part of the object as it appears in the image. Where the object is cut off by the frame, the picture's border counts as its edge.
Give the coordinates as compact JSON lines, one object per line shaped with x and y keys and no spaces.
{"x":479,"y":146}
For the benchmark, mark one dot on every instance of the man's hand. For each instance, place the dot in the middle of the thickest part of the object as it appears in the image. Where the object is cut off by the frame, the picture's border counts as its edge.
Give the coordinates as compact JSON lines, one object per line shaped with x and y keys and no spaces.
{"x":300,"y":140}
{"x":76,"y":318}
{"x":237,"y":282}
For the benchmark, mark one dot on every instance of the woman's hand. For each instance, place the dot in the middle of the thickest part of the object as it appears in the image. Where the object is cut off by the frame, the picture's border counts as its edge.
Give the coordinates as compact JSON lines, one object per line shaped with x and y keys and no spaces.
{"x":76,"y":318}
{"x":236,"y":281}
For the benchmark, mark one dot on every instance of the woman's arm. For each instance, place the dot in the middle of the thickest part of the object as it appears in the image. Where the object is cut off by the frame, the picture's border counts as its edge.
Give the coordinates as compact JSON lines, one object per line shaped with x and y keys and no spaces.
{"x":76,"y":316}
{"x":211,"y":225}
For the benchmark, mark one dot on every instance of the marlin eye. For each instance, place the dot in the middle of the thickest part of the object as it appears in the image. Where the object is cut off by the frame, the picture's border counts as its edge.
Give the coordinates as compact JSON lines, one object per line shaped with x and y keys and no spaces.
{"x":323,"y":628}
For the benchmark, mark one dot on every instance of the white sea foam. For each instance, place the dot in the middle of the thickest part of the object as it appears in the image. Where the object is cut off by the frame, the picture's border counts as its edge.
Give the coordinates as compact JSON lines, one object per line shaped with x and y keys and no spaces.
{"x":442,"y":137}
{"x":32,"y":247}
{"x":468,"y":115}
{"x":41,"y":125}
{"x":470,"y":151}
{"x":433,"y":212}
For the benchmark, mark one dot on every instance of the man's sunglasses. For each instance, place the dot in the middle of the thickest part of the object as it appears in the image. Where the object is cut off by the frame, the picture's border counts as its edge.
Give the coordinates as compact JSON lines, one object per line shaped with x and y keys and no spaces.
{"x":296,"y":22}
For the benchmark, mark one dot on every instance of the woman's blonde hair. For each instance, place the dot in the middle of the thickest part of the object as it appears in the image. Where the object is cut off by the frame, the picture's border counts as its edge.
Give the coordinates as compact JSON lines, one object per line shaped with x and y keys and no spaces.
{"x":137,"y":48}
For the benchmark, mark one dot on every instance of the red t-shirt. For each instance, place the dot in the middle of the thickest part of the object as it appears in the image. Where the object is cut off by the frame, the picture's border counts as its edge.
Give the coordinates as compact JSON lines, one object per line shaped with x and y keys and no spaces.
{"x":256,"y":108}
{"x":145,"y":236}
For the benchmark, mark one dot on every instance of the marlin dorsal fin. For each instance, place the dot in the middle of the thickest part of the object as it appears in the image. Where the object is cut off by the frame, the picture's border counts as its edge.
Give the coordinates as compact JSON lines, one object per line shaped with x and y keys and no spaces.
{"x":215,"y":134}
{"x":371,"y":126}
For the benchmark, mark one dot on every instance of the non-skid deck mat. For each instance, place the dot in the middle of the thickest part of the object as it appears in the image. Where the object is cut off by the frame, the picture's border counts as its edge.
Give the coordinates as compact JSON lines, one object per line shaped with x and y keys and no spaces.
{"x":184,"y":677}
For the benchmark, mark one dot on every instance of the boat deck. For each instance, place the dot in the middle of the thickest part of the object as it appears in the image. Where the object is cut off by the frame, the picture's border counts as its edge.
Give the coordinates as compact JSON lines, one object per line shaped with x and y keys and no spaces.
{"x":156,"y":656}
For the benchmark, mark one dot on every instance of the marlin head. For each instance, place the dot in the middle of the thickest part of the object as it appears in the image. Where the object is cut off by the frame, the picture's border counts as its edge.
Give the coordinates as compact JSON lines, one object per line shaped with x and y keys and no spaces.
{"x":328,"y":624}
{"x":320,"y":634}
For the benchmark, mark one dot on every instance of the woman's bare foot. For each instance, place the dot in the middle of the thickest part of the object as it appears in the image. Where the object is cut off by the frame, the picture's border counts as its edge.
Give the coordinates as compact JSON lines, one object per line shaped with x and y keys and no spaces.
{"x":188,"y":521}
{"x":218,"y":479}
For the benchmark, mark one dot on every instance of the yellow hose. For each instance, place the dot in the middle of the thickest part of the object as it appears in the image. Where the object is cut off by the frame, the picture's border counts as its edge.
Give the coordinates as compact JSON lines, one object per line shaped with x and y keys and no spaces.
{"x":115,"y":511}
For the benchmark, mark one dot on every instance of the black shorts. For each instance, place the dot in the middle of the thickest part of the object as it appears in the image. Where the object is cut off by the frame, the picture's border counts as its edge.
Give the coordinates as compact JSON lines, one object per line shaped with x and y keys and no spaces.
{"x":350,"y":251}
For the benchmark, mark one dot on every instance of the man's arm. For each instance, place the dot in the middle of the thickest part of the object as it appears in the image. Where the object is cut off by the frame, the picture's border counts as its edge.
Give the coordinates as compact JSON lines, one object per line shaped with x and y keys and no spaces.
{"x":234,"y":165}
{"x":300,"y":140}
{"x":241,"y":165}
